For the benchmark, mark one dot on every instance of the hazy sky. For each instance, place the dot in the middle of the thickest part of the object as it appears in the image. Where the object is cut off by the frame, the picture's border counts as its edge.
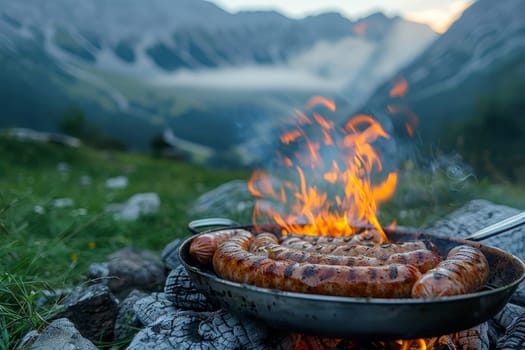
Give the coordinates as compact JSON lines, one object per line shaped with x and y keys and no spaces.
{"x":439,"y":14}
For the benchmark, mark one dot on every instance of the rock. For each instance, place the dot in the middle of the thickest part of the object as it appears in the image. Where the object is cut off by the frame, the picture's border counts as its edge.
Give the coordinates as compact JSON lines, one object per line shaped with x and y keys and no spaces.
{"x":136,"y":206}
{"x":180,"y":290}
{"x":23,"y":134}
{"x":98,"y":271}
{"x":28,"y":339}
{"x":118,"y":182}
{"x":206,"y":330}
{"x":127,"y":322}
{"x":152,"y":307}
{"x":52,"y":296}
{"x":131,"y":268}
{"x":514,"y":337}
{"x":63,"y":202}
{"x":170,"y":254}
{"x":231,"y":200}
{"x":38,"y":209}
{"x":60,"y":334}
{"x":85,"y":180}
{"x":92,"y":310}
{"x":63,"y":167}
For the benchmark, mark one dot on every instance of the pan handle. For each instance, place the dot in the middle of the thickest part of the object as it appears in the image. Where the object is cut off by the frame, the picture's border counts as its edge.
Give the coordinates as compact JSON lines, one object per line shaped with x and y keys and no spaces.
{"x":498,"y":227}
{"x":195,"y":225}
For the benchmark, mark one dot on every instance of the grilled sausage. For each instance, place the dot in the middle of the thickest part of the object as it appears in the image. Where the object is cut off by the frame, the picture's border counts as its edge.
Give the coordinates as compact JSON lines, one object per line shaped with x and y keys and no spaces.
{"x":423,"y":259}
{"x":382,"y":251}
{"x":203,"y":247}
{"x":368,"y":237}
{"x":465,"y":270}
{"x":234,"y":262}
{"x":266,"y":244}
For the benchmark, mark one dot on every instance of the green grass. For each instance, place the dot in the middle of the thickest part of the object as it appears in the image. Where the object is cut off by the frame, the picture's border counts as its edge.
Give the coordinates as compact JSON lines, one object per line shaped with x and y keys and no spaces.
{"x":45,"y":247}
{"x":40,"y":242}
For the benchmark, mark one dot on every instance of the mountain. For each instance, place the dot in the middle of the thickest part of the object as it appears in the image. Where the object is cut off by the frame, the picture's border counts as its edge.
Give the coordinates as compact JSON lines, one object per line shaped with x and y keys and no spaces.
{"x":136,"y":68}
{"x":482,"y":55}
{"x":169,"y":35}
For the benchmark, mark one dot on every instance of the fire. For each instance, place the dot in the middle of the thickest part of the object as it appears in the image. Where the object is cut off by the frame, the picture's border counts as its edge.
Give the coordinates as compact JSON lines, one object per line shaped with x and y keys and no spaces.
{"x":400,"y":88}
{"x":360,"y":29}
{"x":333,"y":186}
{"x":307,"y":342}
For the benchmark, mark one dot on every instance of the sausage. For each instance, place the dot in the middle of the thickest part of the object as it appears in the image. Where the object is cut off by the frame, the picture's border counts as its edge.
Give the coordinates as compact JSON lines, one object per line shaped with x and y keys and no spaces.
{"x":233,"y":261}
{"x":203,"y":246}
{"x":465,"y":270}
{"x":266,"y":244}
{"x":368,"y":237}
{"x":423,"y":259}
{"x":382,"y":251}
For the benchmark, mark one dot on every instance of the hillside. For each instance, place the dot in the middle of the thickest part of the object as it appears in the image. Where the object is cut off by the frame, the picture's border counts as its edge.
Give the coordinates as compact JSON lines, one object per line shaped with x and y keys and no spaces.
{"x":135,"y":73}
{"x":480,"y":55}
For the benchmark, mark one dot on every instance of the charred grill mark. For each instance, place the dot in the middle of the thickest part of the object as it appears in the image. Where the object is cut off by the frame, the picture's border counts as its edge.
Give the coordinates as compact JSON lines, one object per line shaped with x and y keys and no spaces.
{"x":437,"y":275}
{"x":309,"y":271}
{"x":289,"y":270}
{"x":373,"y":274}
{"x":429,"y":245}
{"x":326,"y":274}
{"x":299,"y":257}
{"x":270,"y":268}
{"x":393,"y":272}
{"x":257,"y":262}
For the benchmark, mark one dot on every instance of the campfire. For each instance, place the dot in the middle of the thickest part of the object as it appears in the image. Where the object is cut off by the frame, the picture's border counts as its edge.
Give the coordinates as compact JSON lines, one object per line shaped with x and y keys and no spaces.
{"x":264,"y":286}
{"x":332,"y":192}
{"x":315,"y":226}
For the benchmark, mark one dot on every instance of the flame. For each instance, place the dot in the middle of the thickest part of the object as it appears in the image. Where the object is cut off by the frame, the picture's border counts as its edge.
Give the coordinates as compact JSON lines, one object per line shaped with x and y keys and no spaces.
{"x":310,"y":342}
{"x":360,"y":28}
{"x":400,"y":88}
{"x":332,"y":189}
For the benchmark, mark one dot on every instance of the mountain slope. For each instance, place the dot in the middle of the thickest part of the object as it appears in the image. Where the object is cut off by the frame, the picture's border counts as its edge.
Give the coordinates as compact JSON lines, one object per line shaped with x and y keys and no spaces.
{"x":477,"y":56}
{"x":136,"y":69}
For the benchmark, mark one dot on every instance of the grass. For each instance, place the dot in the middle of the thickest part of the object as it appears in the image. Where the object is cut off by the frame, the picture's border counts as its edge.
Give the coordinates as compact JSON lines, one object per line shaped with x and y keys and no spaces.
{"x":45,"y":247}
{"x":42,"y":242}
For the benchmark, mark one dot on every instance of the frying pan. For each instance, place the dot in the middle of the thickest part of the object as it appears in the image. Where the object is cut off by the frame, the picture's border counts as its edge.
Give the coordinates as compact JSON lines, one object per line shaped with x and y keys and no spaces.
{"x":364,"y":318}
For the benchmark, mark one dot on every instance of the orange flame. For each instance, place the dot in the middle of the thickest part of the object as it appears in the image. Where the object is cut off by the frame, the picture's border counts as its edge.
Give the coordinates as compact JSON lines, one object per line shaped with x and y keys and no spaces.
{"x":360,"y":28}
{"x":310,"y":342}
{"x":400,"y":88}
{"x":333,"y":191}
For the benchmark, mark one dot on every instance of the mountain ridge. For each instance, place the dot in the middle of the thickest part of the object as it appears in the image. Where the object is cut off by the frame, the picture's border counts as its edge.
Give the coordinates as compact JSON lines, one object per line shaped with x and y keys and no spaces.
{"x":106,"y":62}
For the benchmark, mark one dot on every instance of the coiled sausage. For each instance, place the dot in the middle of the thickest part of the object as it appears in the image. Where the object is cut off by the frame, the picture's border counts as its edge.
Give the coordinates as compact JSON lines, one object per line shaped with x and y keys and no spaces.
{"x":267,"y":244}
{"x":233,"y":261}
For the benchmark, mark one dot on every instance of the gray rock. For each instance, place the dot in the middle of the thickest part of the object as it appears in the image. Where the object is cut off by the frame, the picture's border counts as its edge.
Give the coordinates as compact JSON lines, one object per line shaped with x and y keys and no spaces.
{"x":138,"y":205}
{"x":28,"y":339}
{"x":92,"y":310}
{"x":152,"y":307}
{"x":180,"y":290}
{"x":117,"y":182}
{"x":98,"y":271}
{"x":127,"y":322}
{"x":206,"y":330}
{"x":231,"y":200}
{"x":131,"y":268}
{"x":61,"y":334}
{"x":52,"y":296}
{"x":170,"y":254}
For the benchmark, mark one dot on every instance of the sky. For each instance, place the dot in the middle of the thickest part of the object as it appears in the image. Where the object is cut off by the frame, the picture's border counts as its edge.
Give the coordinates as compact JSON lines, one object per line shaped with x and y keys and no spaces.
{"x":438,"y":14}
